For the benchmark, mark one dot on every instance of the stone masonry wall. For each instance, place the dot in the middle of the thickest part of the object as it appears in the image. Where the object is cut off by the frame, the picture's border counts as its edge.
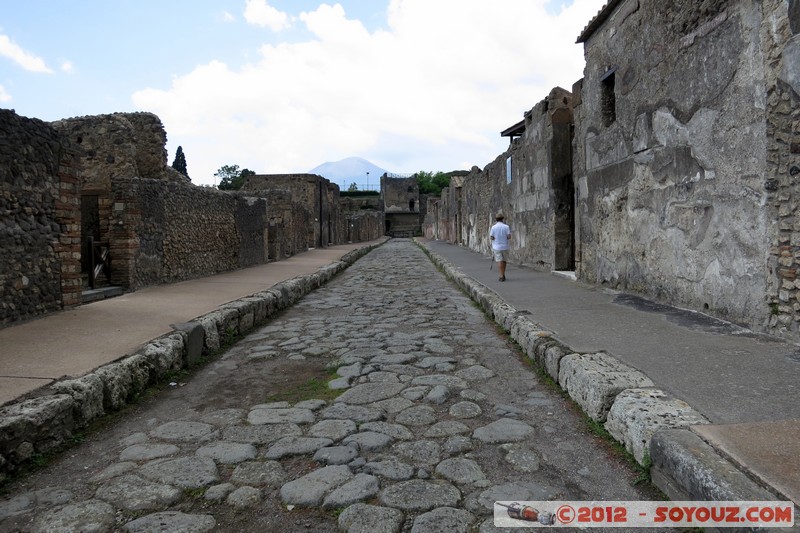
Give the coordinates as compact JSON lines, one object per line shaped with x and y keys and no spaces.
{"x":671,"y":196}
{"x":170,"y":231}
{"x":39,"y":220}
{"x":780,"y":37}
{"x":533,"y":201}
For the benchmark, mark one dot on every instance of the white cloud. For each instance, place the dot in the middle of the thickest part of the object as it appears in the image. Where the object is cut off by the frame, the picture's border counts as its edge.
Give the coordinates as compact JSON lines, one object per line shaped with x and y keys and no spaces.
{"x":260,"y":13}
{"x":67,"y":67}
{"x":430,"y":92}
{"x":4,"y":96}
{"x":227,"y":17}
{"x":26,"y":60}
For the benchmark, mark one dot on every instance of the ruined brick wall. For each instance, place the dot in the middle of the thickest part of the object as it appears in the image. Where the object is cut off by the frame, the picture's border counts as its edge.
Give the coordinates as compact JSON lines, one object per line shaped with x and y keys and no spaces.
{"x":780,"y":38}
{"x":315,"y":199}
{"x":39,"y":220}
{"x":168,"y":231}
{"x":671,"y":188}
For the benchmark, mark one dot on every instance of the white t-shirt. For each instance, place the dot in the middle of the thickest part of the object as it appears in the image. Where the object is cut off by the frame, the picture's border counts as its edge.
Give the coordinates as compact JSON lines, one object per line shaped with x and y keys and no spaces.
{"x":501,"y":232}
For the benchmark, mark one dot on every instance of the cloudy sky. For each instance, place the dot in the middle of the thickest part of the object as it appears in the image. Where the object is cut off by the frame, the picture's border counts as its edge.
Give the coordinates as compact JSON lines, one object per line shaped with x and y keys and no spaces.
{"x":281,"y":86}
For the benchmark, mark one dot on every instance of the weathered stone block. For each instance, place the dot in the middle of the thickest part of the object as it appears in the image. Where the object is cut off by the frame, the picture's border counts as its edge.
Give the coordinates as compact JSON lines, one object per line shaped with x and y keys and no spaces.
{"x":687,"y":468}
{"x":594,"y":380}
{"x":193,"y":342}
{"x":210,"y":324}
{"x":40,"y":424}
{"x":552,"y":360}
{"x":87,"y":393}
{"x":637,"y":414}
{"x":165,"y":354}
{"x":116,"y":380}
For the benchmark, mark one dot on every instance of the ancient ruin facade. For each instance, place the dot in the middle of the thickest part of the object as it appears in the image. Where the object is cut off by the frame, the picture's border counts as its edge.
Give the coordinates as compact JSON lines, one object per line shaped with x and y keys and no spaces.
{"x":672,"y":136}
{"x":401,"y":206}
{"x":76,"y":189}
{"x":669,"y":168}
{"x":39,"y":219}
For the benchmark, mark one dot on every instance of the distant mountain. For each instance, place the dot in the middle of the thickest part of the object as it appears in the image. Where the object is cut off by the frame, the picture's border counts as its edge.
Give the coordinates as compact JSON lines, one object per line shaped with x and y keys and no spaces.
{"x":349,"y":170}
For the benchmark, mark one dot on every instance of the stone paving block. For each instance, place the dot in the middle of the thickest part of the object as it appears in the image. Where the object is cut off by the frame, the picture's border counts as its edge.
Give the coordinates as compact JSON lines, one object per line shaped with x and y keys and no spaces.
{"x":443,"y":519}
{"x":637,"y":414}
{"x":133,"y":493}
{"x":360,"y":488}
{"x":259,"y":474}
{"x":172,"y":521}
{"x":420,"y":495}
{"x":503,"y":430}
{"x":264,"y":434}
{"x":183,"y":472}
{"x":370,"y":392}
{"x":363,"y":518}
{"x":296,"y":446}
{"x":368,"y":441}
{"x":148,"y":451}
{"x":228,"y":452}
{"x":356,"y":413}
{"x":277,"y":416}
{"x":594,"y":380}
{"x":310,"y":489}
{"x":90,"y":515}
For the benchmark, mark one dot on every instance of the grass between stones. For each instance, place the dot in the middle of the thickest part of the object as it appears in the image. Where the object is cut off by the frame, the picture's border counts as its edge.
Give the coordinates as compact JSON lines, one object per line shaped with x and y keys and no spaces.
{"x":315,"y":388}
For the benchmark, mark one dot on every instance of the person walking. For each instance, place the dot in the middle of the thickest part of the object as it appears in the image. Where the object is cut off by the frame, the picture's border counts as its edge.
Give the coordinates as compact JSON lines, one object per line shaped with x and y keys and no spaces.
{"x":500,"y":235}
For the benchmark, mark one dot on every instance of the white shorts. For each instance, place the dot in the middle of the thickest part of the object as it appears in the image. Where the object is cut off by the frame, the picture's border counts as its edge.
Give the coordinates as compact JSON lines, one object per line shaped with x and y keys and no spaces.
{"x":500,"y":255}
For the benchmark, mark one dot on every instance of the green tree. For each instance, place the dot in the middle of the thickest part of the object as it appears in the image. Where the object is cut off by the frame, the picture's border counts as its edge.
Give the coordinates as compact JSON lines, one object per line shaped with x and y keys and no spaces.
{"x":180,"y":161}
{"x":231,"y":178}
{"x":353,"y":187}
{"x":430,"y":183}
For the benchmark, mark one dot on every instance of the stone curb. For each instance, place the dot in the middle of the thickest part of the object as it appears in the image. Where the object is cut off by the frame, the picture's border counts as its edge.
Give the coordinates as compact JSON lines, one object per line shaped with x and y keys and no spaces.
{"x":45,"y":423}
{"x":639,"y":416}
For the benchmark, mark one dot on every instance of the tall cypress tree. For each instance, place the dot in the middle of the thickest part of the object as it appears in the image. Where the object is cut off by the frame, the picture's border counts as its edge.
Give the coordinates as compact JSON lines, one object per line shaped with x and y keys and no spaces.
{"x":180,"y":161}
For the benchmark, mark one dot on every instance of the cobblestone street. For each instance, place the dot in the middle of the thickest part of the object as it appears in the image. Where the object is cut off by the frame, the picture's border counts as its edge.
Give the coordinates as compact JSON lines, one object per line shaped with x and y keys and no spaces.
{"x":438,"y":418}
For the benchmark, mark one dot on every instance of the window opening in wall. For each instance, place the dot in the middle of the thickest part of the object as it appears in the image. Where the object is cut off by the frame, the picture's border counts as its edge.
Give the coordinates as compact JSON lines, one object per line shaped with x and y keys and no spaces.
{"x":508,"y":169}
{"x":608,"y":98}
{"x":411,"y":204}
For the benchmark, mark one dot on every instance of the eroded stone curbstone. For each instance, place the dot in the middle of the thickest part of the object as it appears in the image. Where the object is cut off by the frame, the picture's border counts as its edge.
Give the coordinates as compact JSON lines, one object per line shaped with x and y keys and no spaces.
{"x":116,"y":380}
{"x":36,"y":425}
{"x":194,"y":339}
{"x":687,"y":468}
{"x":637,"y":414}
{"x":594,"y":380}
{"x":87,"y":393}
{"x":552,"y":360}
{"x":210,"y":324}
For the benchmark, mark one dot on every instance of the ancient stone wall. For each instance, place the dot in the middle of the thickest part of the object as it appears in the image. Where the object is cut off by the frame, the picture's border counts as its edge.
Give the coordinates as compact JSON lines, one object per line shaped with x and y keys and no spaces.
{"x":169,"y":231}
{"x":39,"y":220}
{"x":314,"y":197}
{"x":531,"y":183}
{"x":780,"y":38}
{"x":671,"y":187}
